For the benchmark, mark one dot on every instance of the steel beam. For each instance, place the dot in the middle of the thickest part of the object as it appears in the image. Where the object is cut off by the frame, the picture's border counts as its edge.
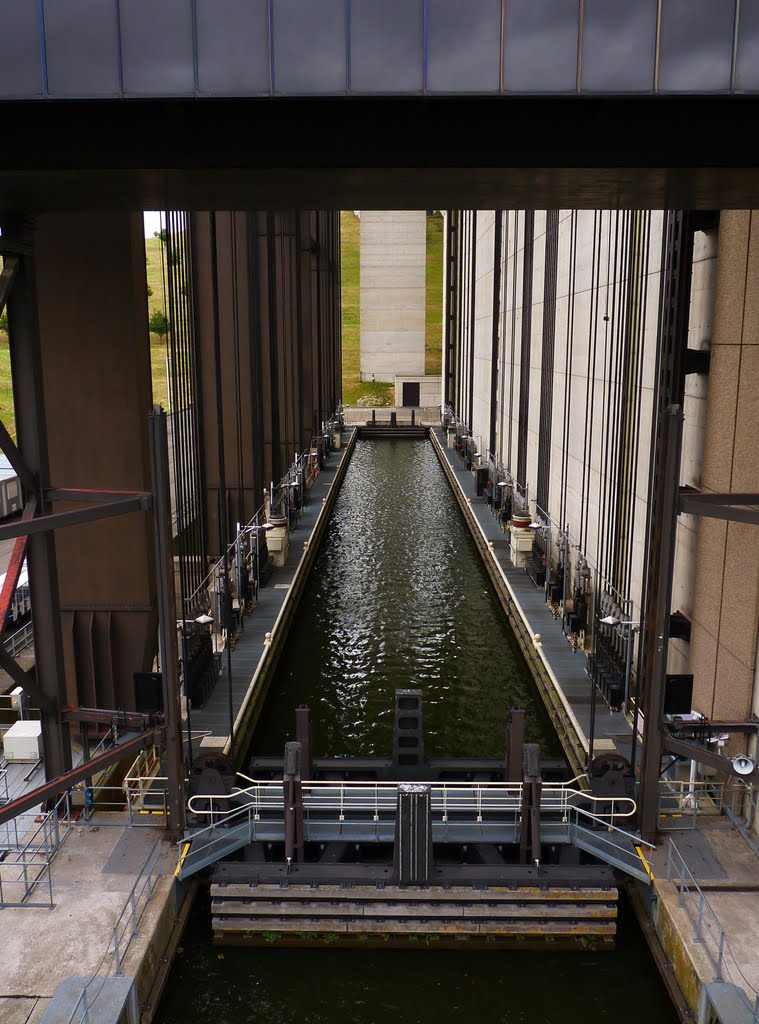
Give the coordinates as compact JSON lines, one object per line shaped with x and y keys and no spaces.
{"x":167,"y":633}
{"x":720,"y":506}
{"x":15,"y":564}
{"x":695,"y":752}
{"x":107,"y":716}
{"x":664,"y":479}
{"x":27,"y":681}
{"x":61,"y":783}
{"x":75,"y":517}
{"x":83,"y":494}
{"x":7,"y":274}
{"x":13,"y":455}
{"x":31,"y":429}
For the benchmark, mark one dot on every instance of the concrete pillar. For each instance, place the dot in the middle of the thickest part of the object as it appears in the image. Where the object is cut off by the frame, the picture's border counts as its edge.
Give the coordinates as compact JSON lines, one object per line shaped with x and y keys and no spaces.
{"x":393,"y":262}
{"x":413,"y":834}
{"x":726,"y":592}
{"x":93,"y":323}
{"x":239,"y":384}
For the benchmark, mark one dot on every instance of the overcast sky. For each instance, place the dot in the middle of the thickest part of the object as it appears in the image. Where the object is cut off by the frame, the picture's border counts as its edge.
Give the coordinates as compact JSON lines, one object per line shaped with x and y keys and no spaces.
{"x":152,"y":222}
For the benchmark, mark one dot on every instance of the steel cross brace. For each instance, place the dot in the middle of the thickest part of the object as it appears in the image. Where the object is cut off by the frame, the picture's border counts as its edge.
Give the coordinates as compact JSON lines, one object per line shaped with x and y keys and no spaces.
{"x":720,"y":506}
{"x":138,"y":501}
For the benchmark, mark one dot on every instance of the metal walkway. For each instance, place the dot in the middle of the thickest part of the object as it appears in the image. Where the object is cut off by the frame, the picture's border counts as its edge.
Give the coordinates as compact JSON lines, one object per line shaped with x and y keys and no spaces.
{"x":366,"y":813}
{"x":213,"y":718}
{"x":568,"y":666}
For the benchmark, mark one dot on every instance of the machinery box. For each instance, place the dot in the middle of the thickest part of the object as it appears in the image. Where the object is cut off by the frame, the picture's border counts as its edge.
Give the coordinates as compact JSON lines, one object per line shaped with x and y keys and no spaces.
{"x":23,"y":742}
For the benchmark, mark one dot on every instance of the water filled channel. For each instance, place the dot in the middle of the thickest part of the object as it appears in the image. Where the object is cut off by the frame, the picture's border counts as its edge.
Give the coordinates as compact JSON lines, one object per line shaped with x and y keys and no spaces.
{"x":399,"y":598}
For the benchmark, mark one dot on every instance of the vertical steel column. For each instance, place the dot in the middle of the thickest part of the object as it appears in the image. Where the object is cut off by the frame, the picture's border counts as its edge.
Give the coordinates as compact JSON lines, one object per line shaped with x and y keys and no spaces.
{"x":303,"y":736}
{"x":293,"y":795}
{"x":412,"y":853}
{"x":514,"y":746}
{"x":664,"y":479}
{"x":473,"y":296}
{"x":167,"y":634}
{"x":497,"y":255}
{"x":31,"y":430}
{"x":449,"y":311}
{"x":529,"y":832}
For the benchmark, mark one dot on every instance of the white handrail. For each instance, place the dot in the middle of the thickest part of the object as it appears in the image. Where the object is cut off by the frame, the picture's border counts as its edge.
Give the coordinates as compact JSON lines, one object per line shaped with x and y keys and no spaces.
{"x":445,"y":797}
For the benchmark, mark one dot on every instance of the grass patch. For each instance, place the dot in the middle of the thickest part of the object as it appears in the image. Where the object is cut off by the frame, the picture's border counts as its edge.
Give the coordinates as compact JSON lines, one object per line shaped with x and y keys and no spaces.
{"x":375,"y":393}
{"x":155,"y":269}
{"x":370,"y":393}
{"x":7,"y":411}
{"x":433,"y":316}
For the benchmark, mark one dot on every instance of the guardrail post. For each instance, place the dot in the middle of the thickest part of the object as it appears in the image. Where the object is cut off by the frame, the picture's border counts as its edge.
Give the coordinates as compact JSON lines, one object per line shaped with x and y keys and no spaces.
{"x":116,"y":955}
{"x":699,"y":926}
{"x":681,"y":900}
{"x":721,"y":954}
{"x":86,"y":1005}
{"x":133,"y":905}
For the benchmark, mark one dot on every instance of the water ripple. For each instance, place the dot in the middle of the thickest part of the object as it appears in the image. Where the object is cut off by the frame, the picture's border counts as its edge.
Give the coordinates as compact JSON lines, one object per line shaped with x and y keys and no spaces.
{"x":399,"y":598}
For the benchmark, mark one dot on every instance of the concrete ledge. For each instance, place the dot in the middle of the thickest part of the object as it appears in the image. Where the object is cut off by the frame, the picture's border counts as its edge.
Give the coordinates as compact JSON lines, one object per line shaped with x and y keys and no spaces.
{"x":249,"y":712}
{"x":564,"y":721}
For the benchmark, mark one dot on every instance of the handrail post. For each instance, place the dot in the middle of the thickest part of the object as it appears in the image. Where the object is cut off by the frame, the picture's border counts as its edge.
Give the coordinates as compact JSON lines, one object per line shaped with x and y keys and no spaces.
{"x":699,"y":926}
{"x":721,"y":954}
{"x":134,"y":914}
{"x":681,"y":900}
{"x":116,"y":954}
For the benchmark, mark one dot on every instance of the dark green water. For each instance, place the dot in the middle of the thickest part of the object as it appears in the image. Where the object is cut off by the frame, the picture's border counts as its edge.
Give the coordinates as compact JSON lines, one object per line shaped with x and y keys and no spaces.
{"x":399,"y":598}
{"x":332,"y":986}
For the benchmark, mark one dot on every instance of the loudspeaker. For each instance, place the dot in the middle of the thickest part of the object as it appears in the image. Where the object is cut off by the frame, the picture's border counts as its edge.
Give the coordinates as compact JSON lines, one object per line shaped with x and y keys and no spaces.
{"x":743,"y":765}
{"x":148,"y":692}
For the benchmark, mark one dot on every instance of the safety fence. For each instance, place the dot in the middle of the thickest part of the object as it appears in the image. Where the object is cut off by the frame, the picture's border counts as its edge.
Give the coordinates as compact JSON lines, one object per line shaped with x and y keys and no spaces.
{"x":140,"y":895}
{"x":366,"y":812}
{"x":28,"y":844}
{"x":684,"y":803}
{"x":20,"y":641}
{"x":709,"y":932}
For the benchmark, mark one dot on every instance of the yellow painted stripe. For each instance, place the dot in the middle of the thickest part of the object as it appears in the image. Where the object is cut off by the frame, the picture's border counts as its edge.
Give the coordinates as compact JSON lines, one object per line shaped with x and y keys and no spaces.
{"x":178,"y":868}
{"x":646,"y":865}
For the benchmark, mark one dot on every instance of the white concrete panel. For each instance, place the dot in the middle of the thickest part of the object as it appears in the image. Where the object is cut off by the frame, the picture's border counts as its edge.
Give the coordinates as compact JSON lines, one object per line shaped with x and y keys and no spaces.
{"x":392,"y":263}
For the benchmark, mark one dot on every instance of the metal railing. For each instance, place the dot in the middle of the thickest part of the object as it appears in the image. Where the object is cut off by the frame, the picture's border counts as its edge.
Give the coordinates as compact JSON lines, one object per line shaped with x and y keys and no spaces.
{"x":709,"y":932}
{"x":29,"y":853}
{"x":20,"y":640}
{"x":82,"y":1004}
{"x":7,"y":704}
{"x":136,"y":903}
{"x":683,"y":803}
{"x":366,"y":812}
{"x":447,"y":799}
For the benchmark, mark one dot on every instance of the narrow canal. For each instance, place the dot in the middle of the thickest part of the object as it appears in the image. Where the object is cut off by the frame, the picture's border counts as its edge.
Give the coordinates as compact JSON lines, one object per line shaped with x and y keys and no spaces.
{"x":398,"y":598}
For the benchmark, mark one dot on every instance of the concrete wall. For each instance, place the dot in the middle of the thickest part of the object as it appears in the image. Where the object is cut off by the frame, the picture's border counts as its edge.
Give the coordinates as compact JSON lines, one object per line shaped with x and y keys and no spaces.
{"x":429,"y":390}
{"x":726,"y":591}
{"x":392,"y":262}
{"x":593,"y":299}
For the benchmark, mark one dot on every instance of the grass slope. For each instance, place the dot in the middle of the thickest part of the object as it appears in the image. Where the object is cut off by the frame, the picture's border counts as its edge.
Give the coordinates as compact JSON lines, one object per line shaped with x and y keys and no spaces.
{"x":433,"y":319}
{"x":377,"y":393}
{"x":155,"y":258}
{"x":158,"y":345}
